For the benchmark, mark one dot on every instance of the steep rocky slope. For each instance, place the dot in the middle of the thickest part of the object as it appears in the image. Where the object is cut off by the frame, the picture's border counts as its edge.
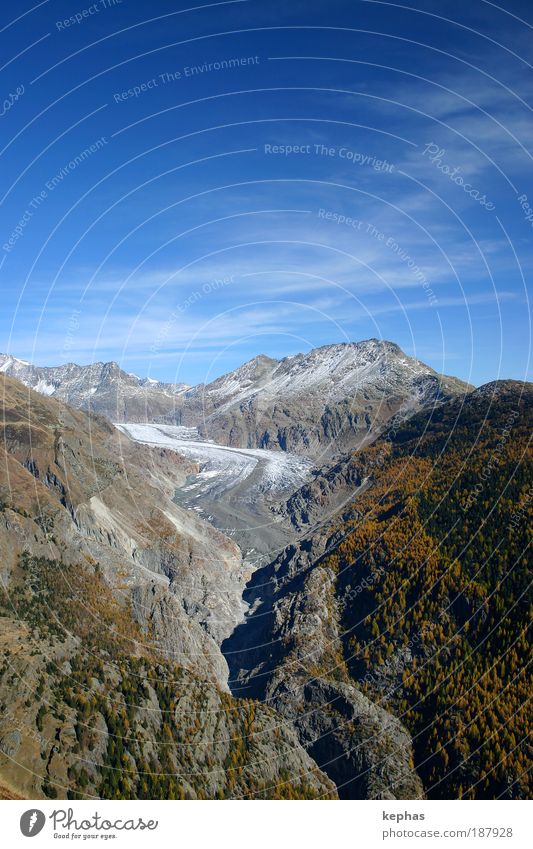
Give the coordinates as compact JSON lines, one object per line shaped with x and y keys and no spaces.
{"x":289,"y":655}
{"x":414,"y":597}
{"x":71,"y":485}
{"x":90,"y":709}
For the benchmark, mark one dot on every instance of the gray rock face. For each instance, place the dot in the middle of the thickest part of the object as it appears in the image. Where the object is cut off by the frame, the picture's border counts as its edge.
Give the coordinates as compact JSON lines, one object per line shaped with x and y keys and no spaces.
{"x":362,"y":748}
{"x":328,"y":493}
{"x":10,"y":743}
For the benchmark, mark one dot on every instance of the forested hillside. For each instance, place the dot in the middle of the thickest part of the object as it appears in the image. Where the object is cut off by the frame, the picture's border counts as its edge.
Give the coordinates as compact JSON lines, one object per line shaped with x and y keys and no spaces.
{"x":439,"y":631}
{"x":416,"y":594}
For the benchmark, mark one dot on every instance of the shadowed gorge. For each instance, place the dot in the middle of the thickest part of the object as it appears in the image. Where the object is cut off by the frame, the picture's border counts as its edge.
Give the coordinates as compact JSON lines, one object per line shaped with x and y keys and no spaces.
{"x":401,"y":598}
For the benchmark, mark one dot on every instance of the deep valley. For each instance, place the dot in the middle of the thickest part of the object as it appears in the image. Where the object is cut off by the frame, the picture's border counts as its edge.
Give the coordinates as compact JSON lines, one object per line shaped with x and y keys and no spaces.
{"x":224,"y":620}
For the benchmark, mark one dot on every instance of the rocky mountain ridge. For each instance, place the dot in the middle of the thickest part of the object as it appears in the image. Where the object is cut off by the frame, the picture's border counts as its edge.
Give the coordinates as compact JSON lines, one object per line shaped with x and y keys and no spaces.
{"x":320,"y":404}
{"x":101,"y":387}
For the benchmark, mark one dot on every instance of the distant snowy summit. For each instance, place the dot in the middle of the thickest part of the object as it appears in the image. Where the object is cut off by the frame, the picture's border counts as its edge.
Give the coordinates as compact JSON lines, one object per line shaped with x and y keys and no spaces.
{"x":327,"y":401}
{"x":102,"y":387}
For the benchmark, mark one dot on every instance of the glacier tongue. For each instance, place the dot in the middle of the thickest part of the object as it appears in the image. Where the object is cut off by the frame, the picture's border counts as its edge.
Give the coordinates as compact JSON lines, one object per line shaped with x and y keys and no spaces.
{"x":235,"y":486}
{"x":223,"y":467}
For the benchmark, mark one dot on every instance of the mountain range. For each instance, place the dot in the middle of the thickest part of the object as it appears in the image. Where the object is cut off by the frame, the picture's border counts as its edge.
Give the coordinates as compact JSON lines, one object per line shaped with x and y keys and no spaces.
{"x":101,"y":387}
{"x":376,"y":649}
{"x":317,"y":404}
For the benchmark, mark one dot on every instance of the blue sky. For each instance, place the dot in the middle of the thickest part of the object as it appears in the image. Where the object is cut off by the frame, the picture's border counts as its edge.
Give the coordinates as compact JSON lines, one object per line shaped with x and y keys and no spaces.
{"x":185,"y":186}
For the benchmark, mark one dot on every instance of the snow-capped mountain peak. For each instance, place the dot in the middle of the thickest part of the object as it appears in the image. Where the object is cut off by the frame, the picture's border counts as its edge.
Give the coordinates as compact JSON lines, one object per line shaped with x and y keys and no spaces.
{"x":102,"y":386}
{"x":327,"y":399}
